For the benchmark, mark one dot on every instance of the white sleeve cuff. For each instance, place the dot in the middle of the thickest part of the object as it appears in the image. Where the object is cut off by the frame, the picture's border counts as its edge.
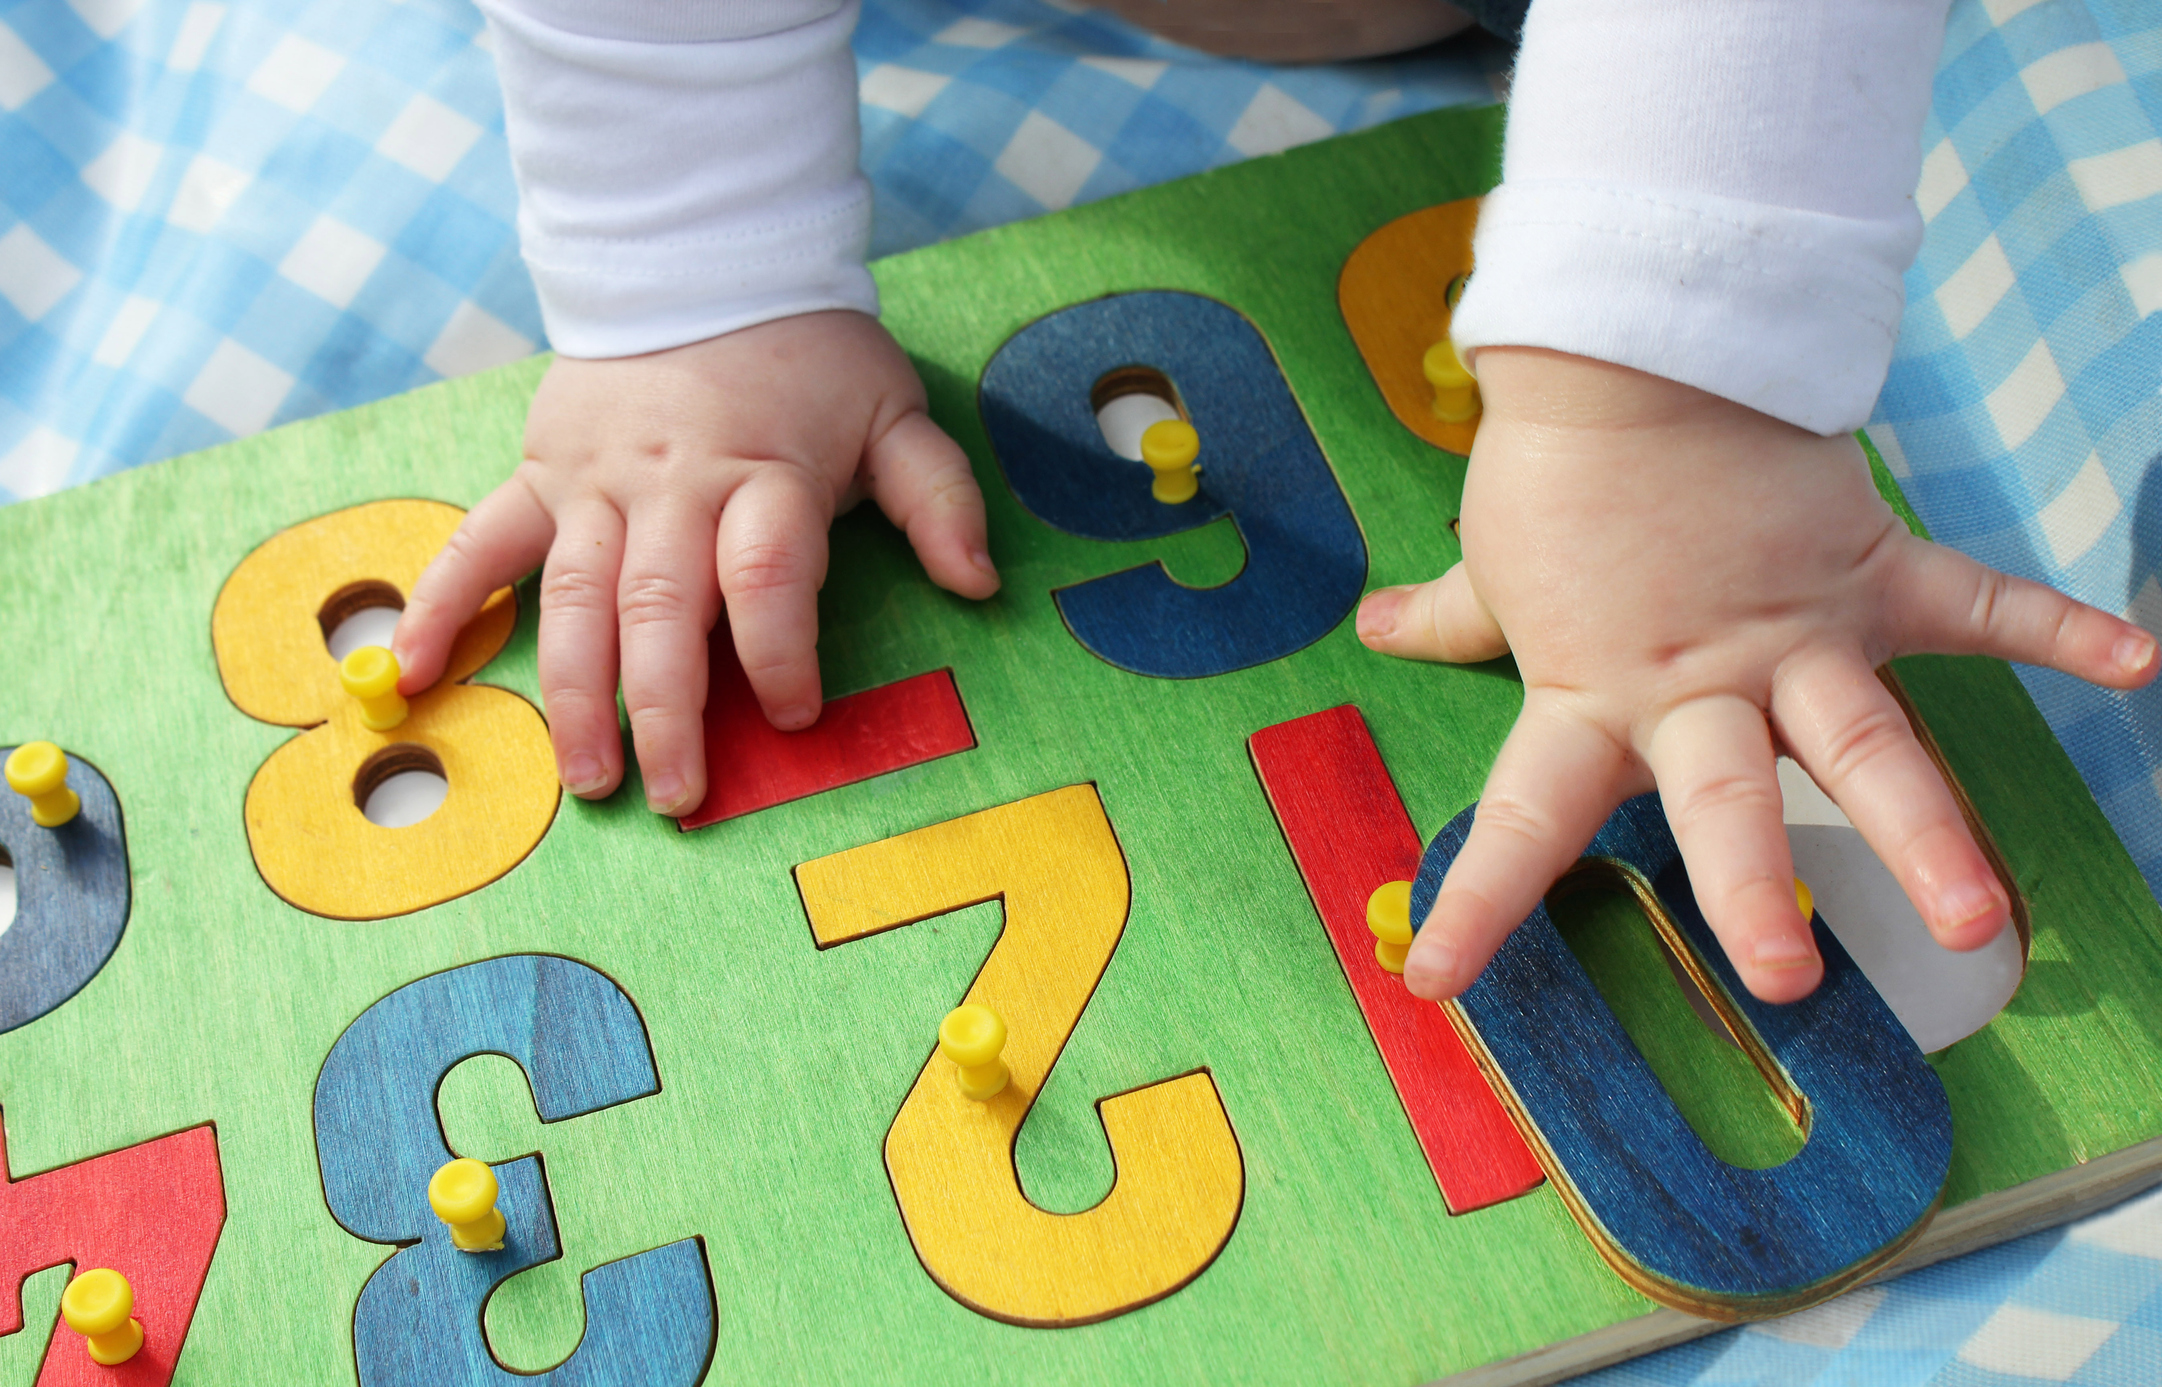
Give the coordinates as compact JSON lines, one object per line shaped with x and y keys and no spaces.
{"x":1790,"y":312}
{"x":676,"y":188}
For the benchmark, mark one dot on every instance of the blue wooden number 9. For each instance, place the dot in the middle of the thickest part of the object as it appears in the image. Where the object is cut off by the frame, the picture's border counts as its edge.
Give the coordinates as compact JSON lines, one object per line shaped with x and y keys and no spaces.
{"x":1259,"y":464}
{"x":1681,"y":1225}
{"x":649,"y":1318}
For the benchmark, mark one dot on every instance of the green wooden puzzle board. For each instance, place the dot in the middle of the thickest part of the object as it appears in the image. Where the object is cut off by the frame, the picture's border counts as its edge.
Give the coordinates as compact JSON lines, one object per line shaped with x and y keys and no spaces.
{"x":782,"y":1065}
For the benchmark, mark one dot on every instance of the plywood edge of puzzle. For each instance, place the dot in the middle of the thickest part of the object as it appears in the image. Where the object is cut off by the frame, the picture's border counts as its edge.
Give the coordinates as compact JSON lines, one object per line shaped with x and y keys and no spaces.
{"x":318,"y":851}
{"x":1393,"y":293}
{"x":1180,"y":1179}
{"x":265,"y":628}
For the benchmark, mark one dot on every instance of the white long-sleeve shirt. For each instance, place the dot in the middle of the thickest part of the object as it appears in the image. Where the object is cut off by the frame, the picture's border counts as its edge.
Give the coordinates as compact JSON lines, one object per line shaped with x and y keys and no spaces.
{"x":1714,"y":191}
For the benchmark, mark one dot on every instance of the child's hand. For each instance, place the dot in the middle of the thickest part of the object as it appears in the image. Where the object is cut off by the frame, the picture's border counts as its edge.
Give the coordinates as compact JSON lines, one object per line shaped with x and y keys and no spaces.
{"x":656,"y":487}
{"x":1672,"y":571}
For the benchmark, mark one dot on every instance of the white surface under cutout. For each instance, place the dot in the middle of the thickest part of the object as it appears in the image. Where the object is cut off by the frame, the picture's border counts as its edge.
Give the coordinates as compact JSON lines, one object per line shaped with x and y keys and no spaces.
{"x":1940,"y":996}
{"x":366,"y":627}
{"x":7,"y":893}
{"x":405,"y":799}
{"x":1125,"y":419}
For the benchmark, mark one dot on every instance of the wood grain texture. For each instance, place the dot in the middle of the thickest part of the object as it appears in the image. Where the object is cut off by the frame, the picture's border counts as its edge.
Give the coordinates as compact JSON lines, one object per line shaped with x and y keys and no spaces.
{"x":1393,"y":294}
{"x":1688,"y":1229}
{"x":311,"y":840}
{"x":1054,"y":863}
{"x":785,"y":1064}
{"x":753,"y":765}
{"x":71,"y":896}
{"x":151,"y":1212}
{"x":1349,"y":833}
{"x":1259,"y":465}
{"x":649,"y":1317}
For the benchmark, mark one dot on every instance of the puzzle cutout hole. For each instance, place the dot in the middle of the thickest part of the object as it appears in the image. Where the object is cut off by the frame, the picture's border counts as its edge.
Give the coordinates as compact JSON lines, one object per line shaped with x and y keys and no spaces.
{"x":359,"y":615}
{"x":1720,"y":1093}
{"x":400,"y":785}
{"x":7,"y":890}
{"x":1127,"y":401}
{"x":1940,"y":996}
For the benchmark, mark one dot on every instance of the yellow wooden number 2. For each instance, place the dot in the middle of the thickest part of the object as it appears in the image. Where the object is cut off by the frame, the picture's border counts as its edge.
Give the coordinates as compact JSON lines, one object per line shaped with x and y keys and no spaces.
{"x":311,"y":840}
{"x":1180,"y":1178}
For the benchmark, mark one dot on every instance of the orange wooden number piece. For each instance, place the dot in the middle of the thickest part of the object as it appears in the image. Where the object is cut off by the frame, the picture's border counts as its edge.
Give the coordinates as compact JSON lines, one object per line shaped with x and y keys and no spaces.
{"x":311,"y":841}
{"x":1393,"y":293}
{"x":1054,"y":861}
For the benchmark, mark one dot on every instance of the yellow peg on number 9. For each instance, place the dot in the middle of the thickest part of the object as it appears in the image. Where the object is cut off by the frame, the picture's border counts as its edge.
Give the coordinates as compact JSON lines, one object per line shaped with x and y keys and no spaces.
{"x":1169,"y":447}
{"x":97,"y":1305}
{"x":39,"y":771}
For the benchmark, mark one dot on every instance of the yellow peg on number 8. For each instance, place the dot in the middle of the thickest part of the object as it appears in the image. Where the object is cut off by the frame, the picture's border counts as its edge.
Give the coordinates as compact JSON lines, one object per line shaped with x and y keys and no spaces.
{"x":307,"y":828}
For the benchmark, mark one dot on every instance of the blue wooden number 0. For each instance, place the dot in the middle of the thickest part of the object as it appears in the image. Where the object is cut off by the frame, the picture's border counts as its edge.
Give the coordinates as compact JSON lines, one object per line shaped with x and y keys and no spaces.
{"x":649,"y":1318}
{"x":1259,"y":464}
{"x":1681,"y":1225}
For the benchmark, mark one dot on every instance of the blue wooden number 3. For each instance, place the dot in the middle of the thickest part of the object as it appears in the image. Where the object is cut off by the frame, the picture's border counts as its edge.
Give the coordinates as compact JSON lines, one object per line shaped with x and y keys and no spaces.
{"x":1259,"y":464}
{"x":649,"y":1318}
{"x":1679,"y":1224}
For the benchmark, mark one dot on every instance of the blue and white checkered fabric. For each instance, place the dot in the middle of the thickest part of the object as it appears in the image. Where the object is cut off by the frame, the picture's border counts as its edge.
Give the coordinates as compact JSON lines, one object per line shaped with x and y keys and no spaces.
{"x":216,"y":215}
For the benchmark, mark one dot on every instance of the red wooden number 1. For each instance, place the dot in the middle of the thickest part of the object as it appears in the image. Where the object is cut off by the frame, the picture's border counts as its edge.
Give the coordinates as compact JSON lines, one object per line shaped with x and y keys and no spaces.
{"x":1349,"y":833}
{"x":151,"y":1212}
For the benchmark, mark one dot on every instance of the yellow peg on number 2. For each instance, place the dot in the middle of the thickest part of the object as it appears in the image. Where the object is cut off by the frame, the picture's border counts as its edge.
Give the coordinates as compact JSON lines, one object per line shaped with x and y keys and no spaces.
{"x":97,"y":1305}
{"x":463,"y":1195}
{"x":972,"y":1037}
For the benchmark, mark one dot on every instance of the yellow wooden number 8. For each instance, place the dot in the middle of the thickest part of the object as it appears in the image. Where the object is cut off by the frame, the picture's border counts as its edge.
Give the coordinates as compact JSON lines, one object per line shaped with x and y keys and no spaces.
{"x":311,"y":841}
{"x":1180,"y":1178}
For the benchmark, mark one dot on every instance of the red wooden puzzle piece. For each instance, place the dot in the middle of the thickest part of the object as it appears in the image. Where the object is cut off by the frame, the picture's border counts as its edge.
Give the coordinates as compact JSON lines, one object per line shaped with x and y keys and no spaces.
{"x":752,"y":765}
{"x":151,"y":1212}
{"x":1349,"y":833}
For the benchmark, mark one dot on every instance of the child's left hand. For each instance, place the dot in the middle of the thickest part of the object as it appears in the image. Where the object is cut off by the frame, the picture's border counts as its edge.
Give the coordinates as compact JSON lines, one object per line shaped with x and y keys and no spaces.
{"x":1690,"y":586}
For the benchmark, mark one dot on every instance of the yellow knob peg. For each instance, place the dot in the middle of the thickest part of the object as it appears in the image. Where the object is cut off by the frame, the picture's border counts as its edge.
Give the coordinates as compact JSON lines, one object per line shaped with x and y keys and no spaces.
{"x":972,"y":1036}
{"x":463,"y":1194}
{"x":39,"y":770}
{"x":1804,"y":898}
{"x":370,"y":674}
{"x":96,"y":1305}
{"x":1169,"y":447}
{"x":1388,"y":915}
{"x":1456,"y":391}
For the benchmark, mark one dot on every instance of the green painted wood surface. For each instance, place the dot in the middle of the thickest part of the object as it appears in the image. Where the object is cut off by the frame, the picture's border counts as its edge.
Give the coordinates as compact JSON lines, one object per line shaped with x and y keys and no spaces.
{"x":781,"y":1066}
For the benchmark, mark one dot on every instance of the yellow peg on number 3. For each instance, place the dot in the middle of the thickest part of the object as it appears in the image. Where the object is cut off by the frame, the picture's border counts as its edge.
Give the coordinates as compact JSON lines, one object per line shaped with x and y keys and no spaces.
{"x":371,"y":675}
{"x":97,"y":1305}
{"x":463,"y":1195}
{"x":39,"y":771}
{"x":972,"y":1036}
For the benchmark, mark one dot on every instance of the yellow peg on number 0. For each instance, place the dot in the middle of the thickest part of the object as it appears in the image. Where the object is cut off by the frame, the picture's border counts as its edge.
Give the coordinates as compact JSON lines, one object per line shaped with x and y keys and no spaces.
{"x":39,"y":772}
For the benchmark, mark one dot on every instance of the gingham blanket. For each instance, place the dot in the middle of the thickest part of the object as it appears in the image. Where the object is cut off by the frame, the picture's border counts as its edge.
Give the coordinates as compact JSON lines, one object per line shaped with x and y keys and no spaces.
{"x":218,"y":215}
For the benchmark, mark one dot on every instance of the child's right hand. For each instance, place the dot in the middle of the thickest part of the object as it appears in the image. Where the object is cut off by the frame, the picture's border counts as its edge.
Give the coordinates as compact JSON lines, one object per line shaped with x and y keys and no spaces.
{"x":658,"y":487}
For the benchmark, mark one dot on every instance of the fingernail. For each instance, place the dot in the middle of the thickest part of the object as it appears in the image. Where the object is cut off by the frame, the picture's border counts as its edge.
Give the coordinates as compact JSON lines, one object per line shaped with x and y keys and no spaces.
{"x":2133,"y":652}
{"x":664,"y":793}
{"x":982,"y":560}
{"x":1377,"y":614}
{"x":1969,"y":902}
{"x":1430,"y":969}
{"x":1783,"y":951}
{"x":582,"y":773}
{"x":796,"y":718}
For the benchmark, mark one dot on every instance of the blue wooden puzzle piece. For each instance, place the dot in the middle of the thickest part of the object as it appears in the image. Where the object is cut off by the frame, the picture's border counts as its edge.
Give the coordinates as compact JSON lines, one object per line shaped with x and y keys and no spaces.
{"x":1682,"y":1225}
{"x":71,"y":896}
{"x":650,"y":1318}
{"x":1259,"y":464}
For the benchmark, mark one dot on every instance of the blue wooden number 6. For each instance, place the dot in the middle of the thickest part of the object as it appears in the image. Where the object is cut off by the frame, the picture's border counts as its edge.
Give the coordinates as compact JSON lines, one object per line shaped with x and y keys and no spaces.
{"x":1679,"y":1224}
{"x":649,"y":1318}
{"x":1259,"y":464}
